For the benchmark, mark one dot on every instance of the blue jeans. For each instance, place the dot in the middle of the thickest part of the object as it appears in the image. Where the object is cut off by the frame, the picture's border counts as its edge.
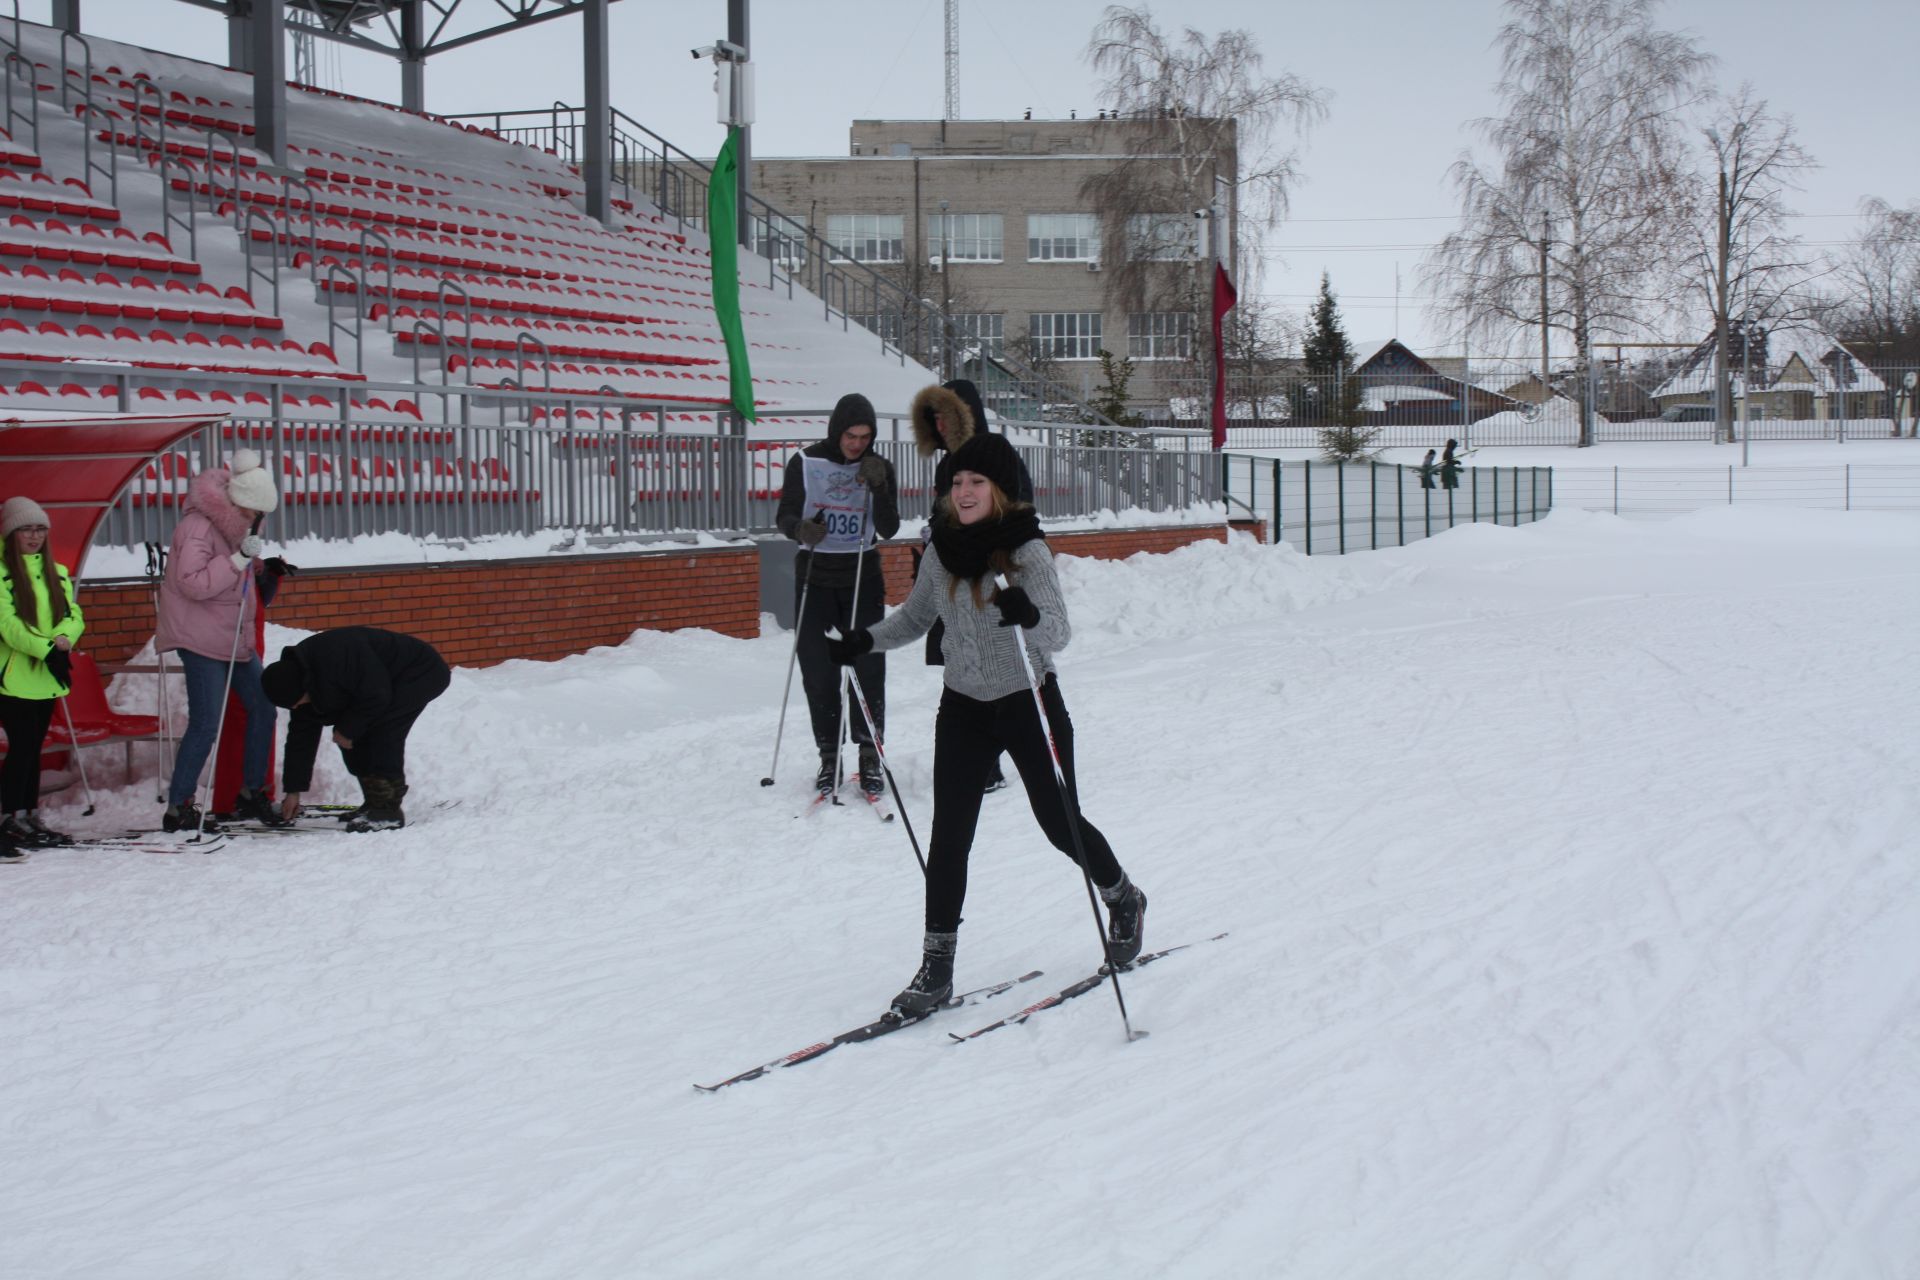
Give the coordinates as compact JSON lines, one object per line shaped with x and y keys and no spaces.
{"x":206,"y":688}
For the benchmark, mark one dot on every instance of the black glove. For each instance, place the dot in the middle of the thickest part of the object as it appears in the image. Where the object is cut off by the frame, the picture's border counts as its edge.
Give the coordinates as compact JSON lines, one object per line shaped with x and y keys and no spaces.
{"x":60,"y":667}
{"x":1016,"y":608}
{"x":278,"y":567}
{"x":873,"y":472}
{"x":849,"y":648}
{"x":810,"y":533}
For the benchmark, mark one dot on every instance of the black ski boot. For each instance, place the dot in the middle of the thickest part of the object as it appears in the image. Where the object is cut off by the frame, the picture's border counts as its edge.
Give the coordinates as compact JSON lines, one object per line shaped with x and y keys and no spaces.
{"x":932,"y":987}
{"x":258,"y":806}
{"x":823,"y":782}
{"x":382,"y":812}
{"x":27,"y":830}
{"x":872,"y":781}
{"x":184,"y":816}
{"x":1126,"y":920}
{"x":10,"y":851}
{"x":997,"y":780}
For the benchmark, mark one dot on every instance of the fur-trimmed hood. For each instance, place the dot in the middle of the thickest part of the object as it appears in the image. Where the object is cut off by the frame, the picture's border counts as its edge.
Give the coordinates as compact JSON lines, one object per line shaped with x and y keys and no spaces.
{"x":208,"y":495}
{"x":936,"y":400}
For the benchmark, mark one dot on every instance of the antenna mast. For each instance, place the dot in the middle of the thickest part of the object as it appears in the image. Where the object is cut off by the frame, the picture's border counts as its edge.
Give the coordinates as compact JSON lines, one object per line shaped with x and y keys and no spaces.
{"x":953,"y":59}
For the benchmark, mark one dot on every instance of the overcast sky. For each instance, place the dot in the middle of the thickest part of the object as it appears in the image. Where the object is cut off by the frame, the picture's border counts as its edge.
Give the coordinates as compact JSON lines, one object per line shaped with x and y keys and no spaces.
{"x":1405,"y":78}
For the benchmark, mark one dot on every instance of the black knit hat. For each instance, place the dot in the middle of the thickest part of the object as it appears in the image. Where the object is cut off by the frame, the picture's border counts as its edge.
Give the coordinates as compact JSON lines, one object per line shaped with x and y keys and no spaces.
{"x":284,"y":682}
{"x":853,"y":410}
{"x":992,"y":457}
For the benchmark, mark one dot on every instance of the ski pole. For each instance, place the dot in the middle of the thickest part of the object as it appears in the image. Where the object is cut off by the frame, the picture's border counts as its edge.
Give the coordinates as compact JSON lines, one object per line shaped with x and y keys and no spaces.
{"x":73,"y":736}
{"x":226,"y":693}
{"x":156,"y":570}
{"x":806,"y":588}
{"x":880,"y":750}
{"x":1073,"y":815}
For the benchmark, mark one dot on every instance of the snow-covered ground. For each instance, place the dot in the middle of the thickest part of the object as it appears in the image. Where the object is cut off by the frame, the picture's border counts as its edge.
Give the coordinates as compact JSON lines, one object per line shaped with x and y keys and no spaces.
{"x":1573,"y":905}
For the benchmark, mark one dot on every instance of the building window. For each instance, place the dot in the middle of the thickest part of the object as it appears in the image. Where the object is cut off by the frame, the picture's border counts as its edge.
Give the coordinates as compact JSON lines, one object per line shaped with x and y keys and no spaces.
{"x":984,"y":330}
{"x":1163,"y":237}
{"x":867,"y":237}
{"x":966,"y":237}
{"x":781,"y":239}
{"x":888,"y":324}
{"x":1063,"y":237}
{"x":1160,"y":335}
{"x":1065,"y":335}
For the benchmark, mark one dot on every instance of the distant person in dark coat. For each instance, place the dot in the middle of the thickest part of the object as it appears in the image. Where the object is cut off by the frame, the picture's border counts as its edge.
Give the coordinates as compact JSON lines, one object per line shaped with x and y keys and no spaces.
{"x":1427,"y":468}
{"x":1450,"y":467}
{"x":370,"y":685}
{"x":944,"y":418}
{"x":839,"y":497}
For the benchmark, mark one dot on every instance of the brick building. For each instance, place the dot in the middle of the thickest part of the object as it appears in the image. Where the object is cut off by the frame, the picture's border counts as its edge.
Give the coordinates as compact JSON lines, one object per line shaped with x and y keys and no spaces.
{"x":989,"y":220}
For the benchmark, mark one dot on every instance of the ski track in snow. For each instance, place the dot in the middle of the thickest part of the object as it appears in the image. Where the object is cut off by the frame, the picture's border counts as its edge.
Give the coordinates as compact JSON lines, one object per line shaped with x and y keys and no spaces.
{"x":1570,"y":874}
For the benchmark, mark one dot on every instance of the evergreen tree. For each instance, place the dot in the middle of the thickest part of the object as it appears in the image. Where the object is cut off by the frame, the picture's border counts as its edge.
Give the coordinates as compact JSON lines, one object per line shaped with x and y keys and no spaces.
{"x":1334,"y":391}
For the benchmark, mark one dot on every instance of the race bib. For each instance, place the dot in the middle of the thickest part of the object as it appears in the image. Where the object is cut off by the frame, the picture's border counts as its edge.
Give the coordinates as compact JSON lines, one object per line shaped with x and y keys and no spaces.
{"x":836,"y":496}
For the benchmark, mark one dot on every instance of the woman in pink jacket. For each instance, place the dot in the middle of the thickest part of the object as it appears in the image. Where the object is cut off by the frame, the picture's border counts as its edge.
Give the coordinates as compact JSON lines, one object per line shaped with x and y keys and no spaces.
{"x":207,"y":601}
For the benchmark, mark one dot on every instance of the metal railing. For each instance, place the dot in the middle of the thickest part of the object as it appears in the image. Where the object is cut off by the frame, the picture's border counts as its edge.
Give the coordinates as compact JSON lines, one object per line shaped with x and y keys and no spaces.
{"x":1333,"y":508}
{"x":624,"y":477}
{"x":1660,"y":491}
{"x":851,"y":293}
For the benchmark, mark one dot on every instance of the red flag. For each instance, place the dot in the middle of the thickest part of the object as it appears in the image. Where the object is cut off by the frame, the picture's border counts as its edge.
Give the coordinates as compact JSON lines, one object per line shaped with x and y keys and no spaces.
{"x":1223,"y":299}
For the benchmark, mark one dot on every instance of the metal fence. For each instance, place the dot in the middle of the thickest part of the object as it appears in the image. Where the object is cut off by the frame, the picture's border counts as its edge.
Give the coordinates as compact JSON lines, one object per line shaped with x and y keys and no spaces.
{"x":1673,"y":490}
{"x":1499,"y":403}
{"x":1332,"y":507}
{"x":467,"y":480}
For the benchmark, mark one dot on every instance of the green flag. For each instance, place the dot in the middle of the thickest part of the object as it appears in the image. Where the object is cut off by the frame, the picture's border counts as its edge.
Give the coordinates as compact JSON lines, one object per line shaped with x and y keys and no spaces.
{"x":723,"y":221}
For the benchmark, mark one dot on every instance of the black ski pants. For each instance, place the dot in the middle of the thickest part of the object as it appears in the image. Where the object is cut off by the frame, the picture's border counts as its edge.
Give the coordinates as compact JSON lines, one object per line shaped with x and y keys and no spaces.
{"x":833,"y":607}
{"x":968,"y":736}
{"x":25,"y":721}
{"x":381,"y":750}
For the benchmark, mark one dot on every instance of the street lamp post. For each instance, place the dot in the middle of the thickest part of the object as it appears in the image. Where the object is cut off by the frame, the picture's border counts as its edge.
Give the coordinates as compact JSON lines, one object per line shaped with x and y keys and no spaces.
{"x":946,"y":297}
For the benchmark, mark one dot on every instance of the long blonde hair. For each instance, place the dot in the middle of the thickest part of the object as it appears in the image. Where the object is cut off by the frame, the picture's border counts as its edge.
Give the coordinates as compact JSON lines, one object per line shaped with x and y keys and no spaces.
{"x":25,"y":603}
{"x":1000,"y":560}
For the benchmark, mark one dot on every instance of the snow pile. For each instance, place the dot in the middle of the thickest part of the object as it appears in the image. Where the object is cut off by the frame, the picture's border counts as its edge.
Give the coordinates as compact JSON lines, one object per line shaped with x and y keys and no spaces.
{"x":1569,"y":874}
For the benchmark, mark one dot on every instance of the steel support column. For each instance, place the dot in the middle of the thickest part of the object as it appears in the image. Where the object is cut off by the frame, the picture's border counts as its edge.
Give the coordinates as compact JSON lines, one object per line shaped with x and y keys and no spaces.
{"x":413,"y":61}
{"x":66,"y":15}
{"x":739,"y":24}
{"x":240,"y":35}
{"x":596,"y":161}
{"x":269,"y":48}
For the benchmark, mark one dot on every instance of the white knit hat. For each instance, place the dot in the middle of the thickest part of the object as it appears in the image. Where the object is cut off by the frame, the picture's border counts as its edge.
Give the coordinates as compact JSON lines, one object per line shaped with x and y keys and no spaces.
{"x":250,"y":486}
{"x":19,"y":512}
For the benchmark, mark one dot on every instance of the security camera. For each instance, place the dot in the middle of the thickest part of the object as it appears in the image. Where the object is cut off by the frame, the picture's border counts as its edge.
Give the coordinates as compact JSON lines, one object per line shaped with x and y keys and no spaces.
{"x":704,"y":51}
{"x":1203,"y":213}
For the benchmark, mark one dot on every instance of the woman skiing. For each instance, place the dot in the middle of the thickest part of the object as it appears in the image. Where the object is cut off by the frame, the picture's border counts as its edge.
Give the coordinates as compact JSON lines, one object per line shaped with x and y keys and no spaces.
{"x":207,"y":600}
{"x":987,"y":704}
{"x":944,"y":418}
{"x":39,"y":622}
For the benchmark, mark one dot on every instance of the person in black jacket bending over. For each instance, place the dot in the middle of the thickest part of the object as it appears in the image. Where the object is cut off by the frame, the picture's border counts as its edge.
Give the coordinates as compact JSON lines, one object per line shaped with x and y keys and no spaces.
{"x":944,"y":418}
{"x":370,"y":685}
{"x":838,"y":498}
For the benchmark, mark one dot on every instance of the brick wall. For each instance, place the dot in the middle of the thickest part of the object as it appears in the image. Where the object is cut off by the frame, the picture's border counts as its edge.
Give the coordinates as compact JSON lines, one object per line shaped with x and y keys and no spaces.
{"x":479,"y":612}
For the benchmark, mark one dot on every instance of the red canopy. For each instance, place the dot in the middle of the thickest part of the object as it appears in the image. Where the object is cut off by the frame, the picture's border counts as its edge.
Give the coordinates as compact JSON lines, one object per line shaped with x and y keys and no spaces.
{"x":77,"y":467}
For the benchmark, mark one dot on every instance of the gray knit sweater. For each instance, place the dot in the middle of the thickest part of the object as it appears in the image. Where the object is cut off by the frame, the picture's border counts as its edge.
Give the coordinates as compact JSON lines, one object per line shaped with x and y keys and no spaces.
{"x":983,"y":660}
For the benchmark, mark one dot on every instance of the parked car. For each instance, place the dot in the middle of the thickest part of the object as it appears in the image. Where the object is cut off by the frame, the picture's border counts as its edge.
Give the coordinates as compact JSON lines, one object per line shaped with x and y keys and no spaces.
{"x":1687,"y":413}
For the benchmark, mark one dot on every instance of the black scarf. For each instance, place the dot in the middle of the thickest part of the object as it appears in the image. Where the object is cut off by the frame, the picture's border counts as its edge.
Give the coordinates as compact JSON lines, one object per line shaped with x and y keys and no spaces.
{"x":966,"y":550}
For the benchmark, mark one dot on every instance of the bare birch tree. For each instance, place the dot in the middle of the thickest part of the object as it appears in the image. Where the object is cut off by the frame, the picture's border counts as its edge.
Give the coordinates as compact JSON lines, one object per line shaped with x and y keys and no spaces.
{"x":1739,"y":260}
{"x":1876,"y":286}
{"x":1571,"y":225}
{"x":1202,"y":108}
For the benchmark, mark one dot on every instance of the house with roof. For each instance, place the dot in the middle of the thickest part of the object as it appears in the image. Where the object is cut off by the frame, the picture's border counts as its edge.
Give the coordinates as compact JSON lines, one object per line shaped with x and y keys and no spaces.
{"x":1798,"y":372}
{"x":1402,"y":388}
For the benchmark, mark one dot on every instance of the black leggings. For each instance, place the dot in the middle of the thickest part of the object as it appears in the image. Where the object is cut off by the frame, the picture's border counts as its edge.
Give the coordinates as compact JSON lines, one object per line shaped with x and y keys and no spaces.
{"x":26,"y":721}
{"x":968,"y":736}
{"x":820,"y":677}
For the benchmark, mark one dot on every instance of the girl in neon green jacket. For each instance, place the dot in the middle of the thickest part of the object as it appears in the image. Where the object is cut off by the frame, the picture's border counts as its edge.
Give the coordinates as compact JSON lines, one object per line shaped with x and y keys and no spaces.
{"x":39,"y":622}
